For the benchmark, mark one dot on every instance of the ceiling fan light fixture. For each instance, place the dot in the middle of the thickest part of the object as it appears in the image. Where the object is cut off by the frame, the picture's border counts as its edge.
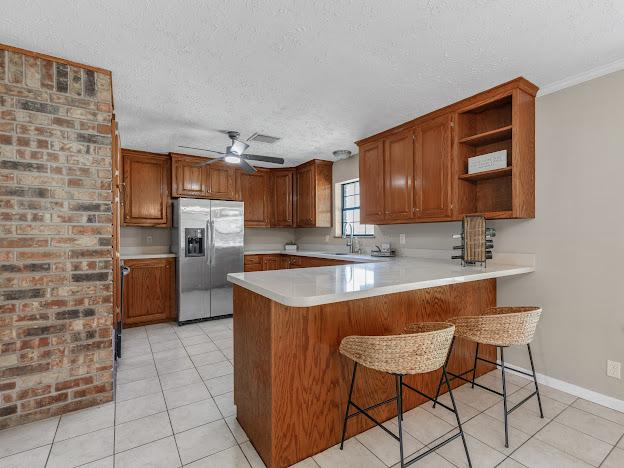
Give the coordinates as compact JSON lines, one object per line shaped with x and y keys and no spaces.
{"x":232,"y":159}
{"x":342,"y":154}
{"x":237,"y":147}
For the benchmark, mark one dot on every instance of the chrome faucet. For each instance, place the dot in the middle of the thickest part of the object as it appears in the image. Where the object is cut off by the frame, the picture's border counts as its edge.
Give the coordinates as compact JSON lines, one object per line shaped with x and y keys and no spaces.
{"x":350,"y":242}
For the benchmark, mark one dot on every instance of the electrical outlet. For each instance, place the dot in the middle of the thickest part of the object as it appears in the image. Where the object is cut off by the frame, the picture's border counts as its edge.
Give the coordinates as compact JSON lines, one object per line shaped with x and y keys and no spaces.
{"x":148,"y":239}
{"x":402,"y":239}
{"x":614,"y":369}
{"x":326,"y":238}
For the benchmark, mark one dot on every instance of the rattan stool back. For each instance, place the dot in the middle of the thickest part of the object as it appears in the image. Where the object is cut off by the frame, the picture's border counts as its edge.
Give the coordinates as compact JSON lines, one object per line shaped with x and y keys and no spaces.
{"x":499,"y":326}
{"x":424,"y":349}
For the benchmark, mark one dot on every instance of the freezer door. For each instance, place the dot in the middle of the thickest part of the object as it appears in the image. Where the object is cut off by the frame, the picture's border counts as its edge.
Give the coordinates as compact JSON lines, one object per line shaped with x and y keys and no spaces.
{"x":192,"y":230}
{"x":227,"y":233}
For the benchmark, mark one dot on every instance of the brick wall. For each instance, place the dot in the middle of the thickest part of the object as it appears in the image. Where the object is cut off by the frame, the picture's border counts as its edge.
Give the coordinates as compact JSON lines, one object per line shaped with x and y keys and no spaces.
{"x":55,"y":238}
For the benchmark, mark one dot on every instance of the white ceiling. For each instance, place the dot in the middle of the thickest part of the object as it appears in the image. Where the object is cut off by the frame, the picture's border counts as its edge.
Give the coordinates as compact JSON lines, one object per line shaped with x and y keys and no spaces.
{"x":319,"y":74}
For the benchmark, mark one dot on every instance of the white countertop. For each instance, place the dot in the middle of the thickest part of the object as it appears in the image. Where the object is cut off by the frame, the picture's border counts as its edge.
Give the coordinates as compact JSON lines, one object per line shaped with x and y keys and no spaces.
{"x":128,"y":256}
{"x":304,"y":287}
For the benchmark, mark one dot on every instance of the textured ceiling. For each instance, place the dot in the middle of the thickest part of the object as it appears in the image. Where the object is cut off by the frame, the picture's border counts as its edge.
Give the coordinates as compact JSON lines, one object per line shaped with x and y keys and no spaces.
{"x":318,"y":74}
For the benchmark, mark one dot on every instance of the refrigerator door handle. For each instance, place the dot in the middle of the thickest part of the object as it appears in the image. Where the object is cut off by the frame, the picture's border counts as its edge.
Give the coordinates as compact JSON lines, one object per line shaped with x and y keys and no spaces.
{"x":212,"y":242}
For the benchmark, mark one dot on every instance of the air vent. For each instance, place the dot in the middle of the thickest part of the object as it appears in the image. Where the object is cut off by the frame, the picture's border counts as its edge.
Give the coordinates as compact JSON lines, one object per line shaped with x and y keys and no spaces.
{"x":263,"y":138}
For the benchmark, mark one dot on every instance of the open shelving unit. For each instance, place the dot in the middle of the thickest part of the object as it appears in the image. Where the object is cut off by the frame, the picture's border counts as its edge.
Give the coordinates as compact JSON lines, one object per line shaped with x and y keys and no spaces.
{"x":500,"y":122}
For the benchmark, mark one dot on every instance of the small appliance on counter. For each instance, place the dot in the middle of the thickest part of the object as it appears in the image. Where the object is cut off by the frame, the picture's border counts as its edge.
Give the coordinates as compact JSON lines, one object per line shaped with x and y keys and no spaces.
{"x":384,"y":251}
{"x":477,"y":241}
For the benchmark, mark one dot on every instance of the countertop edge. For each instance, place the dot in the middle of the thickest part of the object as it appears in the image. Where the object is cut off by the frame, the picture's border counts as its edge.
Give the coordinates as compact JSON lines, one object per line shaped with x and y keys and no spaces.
{"x":350,"y":296}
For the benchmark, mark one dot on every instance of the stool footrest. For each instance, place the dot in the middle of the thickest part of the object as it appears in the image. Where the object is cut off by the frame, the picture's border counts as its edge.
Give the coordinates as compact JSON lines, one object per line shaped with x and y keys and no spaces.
{"x":522,"y":402}
{"x":428,"y":397}
{"x":364,"y":411}
{"x":459,"y":376}
{"x":498,"y":365}
{"x":432,"y":449}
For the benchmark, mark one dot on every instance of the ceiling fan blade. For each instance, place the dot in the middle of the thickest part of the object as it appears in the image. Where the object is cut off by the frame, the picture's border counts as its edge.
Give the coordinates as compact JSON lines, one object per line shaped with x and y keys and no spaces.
{"x":211,"y":161}
{"x":269,"y":159}
{"x":201,"y":149}
{"x":245,"y":166}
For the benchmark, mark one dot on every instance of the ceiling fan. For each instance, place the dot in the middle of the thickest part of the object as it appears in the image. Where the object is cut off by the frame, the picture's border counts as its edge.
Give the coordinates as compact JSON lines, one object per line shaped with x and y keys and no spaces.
{"x":235,"y":154}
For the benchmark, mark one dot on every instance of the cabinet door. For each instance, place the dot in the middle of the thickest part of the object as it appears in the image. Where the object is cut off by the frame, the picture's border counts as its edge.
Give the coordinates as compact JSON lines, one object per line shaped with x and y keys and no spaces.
{"x":270,"y":262}
{"x":282,"y":198}
{"x":371,"y":183}
{"x":284,"y":262}
{"x":145,"y":189}
{"x":398,"y":176}
{"x":306,"y":196}
{"x":148,"y":291}
{"x":189,"y":179}
{"x":219,"y":181}
{"x":432,"y":168}
{"x":254,"y":193}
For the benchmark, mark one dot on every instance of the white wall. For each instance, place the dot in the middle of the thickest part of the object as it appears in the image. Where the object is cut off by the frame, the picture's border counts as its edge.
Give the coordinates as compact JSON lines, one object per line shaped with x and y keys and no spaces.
{"x":577,"y":235}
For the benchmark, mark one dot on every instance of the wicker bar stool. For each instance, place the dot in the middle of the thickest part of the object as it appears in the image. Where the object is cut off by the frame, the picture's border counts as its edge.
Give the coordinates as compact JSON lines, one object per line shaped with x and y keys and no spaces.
{"x":423,"y":349}
{"x":501,"y":327}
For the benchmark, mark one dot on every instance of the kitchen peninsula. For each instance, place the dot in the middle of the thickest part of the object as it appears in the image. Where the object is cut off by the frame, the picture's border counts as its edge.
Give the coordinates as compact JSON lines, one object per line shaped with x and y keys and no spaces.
{"x":290,"y":382}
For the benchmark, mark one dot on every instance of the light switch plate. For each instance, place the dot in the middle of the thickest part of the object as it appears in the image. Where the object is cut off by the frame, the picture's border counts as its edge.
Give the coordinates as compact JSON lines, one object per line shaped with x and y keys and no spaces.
{"x":614,"y":369}
{"x":402,"y":239}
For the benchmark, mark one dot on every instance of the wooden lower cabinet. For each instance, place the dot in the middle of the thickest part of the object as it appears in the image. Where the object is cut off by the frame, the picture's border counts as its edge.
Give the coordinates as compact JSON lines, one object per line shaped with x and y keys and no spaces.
{"x":149,"y":291}
{"x":266,"y":262}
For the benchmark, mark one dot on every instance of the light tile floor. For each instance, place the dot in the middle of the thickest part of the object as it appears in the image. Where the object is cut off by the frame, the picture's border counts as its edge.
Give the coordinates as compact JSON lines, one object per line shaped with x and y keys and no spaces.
{"x":174,"y":408}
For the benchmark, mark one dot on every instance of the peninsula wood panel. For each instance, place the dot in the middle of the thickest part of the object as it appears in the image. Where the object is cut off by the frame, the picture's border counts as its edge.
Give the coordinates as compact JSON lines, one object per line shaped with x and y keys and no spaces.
{"x":291,"y":383}
{"x":149,"y":291}
{"x":146,"y":200}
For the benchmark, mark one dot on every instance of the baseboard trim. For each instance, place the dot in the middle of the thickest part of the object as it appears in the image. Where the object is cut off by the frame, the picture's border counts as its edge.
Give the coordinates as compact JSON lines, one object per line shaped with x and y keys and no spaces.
{"x":586,"y":394}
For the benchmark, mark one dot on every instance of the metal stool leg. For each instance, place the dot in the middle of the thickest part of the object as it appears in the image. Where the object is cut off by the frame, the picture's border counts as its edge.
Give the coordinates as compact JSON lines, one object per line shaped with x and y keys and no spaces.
{"x":474,"y":367}
{"x":344,"y":427}
{"x":539,"y":400}
{"x":399,"y":388}
{"x":504,"y":397}
{"x":461,"y":431}
{"x":442,"y":376}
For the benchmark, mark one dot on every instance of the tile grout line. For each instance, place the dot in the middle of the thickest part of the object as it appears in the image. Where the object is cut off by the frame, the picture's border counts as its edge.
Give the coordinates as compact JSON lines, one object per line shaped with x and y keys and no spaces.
{"x":211,"y":397}
{"x":52,"y":444}
{"x":175,"y":441}
{"x":612,"y":450}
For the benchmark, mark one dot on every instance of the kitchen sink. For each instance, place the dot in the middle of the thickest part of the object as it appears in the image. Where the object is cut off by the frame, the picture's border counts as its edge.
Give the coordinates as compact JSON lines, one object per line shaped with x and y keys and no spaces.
{"x":341,"y":253}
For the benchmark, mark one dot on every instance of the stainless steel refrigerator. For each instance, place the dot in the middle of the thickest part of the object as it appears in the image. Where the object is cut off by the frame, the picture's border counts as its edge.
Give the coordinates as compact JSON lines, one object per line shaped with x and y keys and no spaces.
{"x":207,"y":237}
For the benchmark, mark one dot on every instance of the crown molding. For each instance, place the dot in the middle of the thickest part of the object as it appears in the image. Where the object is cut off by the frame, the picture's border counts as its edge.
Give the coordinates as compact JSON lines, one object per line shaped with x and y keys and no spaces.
{"x":581,"y":77}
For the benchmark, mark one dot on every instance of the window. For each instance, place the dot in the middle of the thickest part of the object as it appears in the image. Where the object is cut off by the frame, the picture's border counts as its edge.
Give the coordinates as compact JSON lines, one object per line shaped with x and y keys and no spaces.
{"x":350,"y":212}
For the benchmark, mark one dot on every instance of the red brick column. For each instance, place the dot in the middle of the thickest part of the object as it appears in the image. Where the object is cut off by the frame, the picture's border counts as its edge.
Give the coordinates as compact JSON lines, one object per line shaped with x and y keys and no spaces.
{"x":55,"y":237}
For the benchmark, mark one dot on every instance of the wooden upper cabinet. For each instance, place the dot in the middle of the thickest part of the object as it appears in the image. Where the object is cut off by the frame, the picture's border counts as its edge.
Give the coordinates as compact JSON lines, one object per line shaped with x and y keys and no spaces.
{"x":313,"y":199}
{"x":254,"y":192}
{"x":149,"y":291}
{"x":220,"y":181}
{"x":282,"y":181}
{"x":372,"y":183}
{"x":398,"y":176}
{"x":194,"y":180}
{"x":188,"y":177}
{"x":432,"y":167}
{"x":146,"y":189}
{"x":418,"y":171}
